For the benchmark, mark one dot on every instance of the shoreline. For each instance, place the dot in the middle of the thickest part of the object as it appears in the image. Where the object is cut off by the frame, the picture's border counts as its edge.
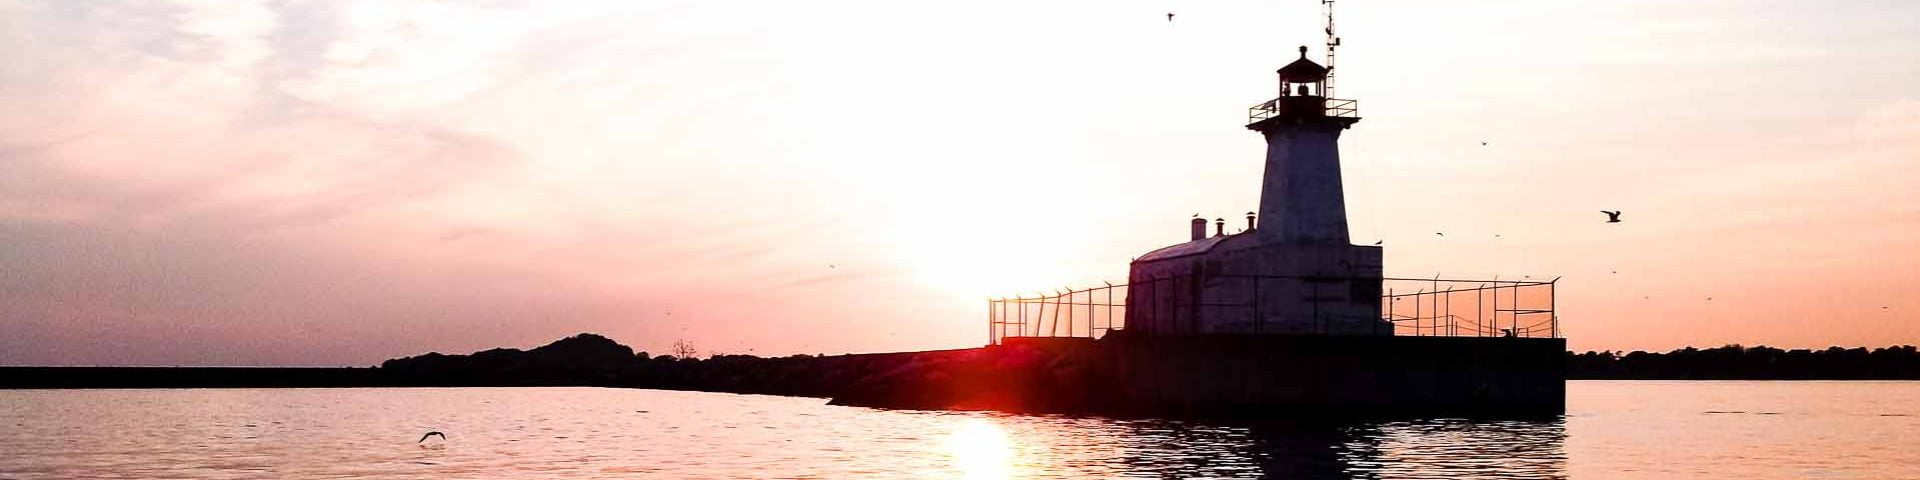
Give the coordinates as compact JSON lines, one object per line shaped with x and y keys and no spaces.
{"x":589,"y":360}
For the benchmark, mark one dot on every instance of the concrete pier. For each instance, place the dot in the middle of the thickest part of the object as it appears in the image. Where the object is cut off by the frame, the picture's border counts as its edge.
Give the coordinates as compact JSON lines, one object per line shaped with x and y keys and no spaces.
{"x":1239,"y":376}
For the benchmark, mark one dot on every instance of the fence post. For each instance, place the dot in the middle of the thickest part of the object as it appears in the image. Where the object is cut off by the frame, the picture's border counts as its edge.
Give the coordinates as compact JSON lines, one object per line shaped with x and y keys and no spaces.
{"x":1091,"y":320}
{"x":1056,"y":316}
{"x":1553,"y":306}
{"x":1416,"y":314}
{"x":1022,"y":302}
{"x":1391,"y":311}
{"x":1514,"y":308}
{"x":1040,"y":317}
{"x":1056,"y":313}
{"x":1109,"y":307}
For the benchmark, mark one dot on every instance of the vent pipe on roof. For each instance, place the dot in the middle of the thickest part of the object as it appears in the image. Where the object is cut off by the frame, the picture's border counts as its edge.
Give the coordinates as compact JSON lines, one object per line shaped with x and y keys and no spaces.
{"x":1219,"y":227}
{"x":1249,"y":221}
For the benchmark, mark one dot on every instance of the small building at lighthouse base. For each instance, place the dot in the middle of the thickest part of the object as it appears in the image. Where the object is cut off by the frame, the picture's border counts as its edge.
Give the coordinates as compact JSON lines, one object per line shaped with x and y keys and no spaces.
{"x":1239,"y":284}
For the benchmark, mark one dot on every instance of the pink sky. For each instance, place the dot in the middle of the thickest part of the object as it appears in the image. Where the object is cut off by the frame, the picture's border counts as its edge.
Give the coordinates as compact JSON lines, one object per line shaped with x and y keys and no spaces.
{"x":328,"y":183}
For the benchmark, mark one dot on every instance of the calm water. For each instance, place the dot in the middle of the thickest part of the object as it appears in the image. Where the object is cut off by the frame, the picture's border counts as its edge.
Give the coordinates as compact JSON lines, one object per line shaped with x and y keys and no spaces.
{"x":1748,"y":430}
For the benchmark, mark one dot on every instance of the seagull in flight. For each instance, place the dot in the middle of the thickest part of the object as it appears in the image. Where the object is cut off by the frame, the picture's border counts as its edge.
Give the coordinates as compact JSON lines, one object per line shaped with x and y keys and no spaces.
{"x":423,"y":438}
{"x":1613,"y":216}
{"x":1169,"y":17}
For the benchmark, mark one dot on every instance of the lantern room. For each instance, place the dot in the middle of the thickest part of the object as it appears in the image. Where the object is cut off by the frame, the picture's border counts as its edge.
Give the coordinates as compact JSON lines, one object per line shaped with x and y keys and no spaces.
{"x":1303,"y":78}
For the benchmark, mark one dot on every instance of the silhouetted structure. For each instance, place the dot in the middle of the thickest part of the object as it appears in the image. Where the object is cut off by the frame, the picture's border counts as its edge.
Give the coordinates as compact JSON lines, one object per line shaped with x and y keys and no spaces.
{"x":1294,"y":268}
{"x":1288,"y":315}
{"x":1034,"y":376}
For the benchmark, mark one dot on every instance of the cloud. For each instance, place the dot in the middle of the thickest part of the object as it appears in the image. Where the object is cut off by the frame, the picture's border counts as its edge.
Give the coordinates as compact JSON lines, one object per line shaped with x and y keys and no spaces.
{"x":286,"y":182}
{"x":167,"y":199}
{"x":340,"y":182}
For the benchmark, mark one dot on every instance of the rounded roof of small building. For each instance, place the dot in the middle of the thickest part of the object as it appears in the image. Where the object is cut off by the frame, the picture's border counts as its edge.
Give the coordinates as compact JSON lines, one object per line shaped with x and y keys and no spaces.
{"x":1194,"y":247}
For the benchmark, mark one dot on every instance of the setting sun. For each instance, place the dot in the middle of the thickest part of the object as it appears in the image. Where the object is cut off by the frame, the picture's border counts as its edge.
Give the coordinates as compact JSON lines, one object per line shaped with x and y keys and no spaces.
{"x":981,"y":450}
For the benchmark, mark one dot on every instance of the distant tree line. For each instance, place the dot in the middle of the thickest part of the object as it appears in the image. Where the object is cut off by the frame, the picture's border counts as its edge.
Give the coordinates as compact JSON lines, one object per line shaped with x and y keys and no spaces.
{"x":1735,"y":362}
{"x":593,"y":360}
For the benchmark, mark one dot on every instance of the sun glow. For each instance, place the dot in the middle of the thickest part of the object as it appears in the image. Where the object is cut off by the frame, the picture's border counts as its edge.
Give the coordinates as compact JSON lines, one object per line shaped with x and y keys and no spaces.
{"x":972,"y":245}
{"x":981,"y":450}
{"x":974,"y":266}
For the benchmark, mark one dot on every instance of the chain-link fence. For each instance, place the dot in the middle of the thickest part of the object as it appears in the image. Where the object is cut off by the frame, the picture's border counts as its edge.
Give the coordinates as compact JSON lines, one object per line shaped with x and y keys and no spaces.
{"x":1179,"y":305}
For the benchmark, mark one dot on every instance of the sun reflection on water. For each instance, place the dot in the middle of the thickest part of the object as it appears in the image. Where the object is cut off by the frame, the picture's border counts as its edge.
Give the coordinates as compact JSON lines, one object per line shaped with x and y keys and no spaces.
{"x":980,"y":449}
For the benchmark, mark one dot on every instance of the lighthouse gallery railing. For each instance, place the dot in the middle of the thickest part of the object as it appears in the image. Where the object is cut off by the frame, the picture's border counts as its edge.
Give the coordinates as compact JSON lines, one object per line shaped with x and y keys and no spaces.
{"x":1411,"y":306}
{"x":1331,"y":107}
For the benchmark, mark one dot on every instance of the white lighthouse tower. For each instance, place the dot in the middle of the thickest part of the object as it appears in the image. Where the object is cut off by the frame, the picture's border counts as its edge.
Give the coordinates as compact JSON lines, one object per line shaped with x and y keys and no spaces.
{"x":1292,"y":272}
{"x":1300,"y":196}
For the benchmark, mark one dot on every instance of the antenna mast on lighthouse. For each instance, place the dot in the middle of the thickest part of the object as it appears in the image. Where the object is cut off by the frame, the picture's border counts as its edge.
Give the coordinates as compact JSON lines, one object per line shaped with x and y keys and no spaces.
{"x":1332,"y":42}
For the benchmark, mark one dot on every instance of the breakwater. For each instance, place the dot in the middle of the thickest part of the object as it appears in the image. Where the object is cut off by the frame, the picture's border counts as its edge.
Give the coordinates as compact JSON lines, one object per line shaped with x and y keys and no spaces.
{"x":1118,"y":374}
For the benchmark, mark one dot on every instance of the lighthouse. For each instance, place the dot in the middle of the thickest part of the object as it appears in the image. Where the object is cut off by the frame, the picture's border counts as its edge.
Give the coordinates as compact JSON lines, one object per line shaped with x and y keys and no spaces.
{"x":1285,"y":317}
{"x":1293,"y":271}
{"x":1300,"y":194}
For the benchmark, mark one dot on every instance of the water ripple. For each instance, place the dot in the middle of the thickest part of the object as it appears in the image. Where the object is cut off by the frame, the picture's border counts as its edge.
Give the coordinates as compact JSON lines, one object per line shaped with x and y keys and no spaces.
{"x":596,"y":433}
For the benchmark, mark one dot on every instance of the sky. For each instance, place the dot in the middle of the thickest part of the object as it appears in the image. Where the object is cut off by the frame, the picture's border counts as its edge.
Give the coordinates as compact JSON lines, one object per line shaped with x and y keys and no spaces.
{"x":342,"y":182}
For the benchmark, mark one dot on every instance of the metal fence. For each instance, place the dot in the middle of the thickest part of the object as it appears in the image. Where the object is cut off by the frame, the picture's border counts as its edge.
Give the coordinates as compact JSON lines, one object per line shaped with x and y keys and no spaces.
{"x":1089,"y":313}
{"x":1440,"y":307}
{"x":1331,"y":107}
{"x":1408,"y":307}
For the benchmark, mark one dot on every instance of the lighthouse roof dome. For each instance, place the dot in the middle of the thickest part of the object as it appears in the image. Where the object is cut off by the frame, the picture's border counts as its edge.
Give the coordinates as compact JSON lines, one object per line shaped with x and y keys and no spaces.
{"x":1303,"y":70}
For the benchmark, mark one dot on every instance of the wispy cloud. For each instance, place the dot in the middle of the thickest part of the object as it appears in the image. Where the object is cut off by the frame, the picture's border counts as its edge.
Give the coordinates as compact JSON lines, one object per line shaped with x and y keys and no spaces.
{"x":339,"y":182}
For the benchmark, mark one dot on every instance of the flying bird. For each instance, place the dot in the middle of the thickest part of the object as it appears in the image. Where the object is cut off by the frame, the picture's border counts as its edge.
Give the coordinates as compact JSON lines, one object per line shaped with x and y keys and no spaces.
{"x":423,"y":438}
{"x":1440,"y":234}
{"x":1483,"y":143}
{"x":1169,"y":17}
{"x":1613,"y":216}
